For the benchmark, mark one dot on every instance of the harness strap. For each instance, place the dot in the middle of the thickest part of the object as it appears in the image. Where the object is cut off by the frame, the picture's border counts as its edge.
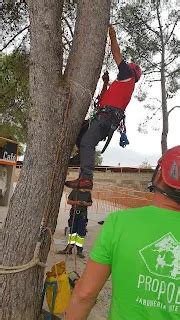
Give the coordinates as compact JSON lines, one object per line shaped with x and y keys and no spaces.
{"x":117,"y":115}
{"x":110,"y":135}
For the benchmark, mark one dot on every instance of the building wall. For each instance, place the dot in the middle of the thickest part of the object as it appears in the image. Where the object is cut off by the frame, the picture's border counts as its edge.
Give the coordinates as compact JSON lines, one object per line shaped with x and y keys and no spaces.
{"x":136,"y":180}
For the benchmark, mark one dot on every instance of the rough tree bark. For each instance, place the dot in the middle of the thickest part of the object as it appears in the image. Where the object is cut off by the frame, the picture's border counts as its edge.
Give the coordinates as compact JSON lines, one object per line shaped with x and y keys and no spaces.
{"x":50,"y":124}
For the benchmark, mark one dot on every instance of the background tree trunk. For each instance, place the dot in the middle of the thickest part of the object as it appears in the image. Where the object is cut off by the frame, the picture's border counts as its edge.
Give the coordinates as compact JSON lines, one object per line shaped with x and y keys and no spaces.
{"x":50,"y":125}
{"x":165,"y":127}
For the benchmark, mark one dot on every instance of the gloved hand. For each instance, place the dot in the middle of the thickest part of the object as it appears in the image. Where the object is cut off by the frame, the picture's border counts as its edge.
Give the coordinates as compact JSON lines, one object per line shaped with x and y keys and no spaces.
{"x":105,"y":77}
{"x":112,"y":32}
{"x":123,"y":140}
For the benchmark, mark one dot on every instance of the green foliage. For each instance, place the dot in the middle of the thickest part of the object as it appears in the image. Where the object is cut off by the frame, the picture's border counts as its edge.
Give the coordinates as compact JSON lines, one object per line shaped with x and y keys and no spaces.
{"x":15,"y":16}
{"x":14,"y":96}
{"x":98,"y":158}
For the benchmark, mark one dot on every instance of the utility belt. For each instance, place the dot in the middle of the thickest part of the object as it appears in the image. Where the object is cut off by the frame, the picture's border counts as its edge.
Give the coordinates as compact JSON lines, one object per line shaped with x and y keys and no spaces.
{"x":117,"y":115}
{"x":79,"y":212}
{"x":108,"y":108}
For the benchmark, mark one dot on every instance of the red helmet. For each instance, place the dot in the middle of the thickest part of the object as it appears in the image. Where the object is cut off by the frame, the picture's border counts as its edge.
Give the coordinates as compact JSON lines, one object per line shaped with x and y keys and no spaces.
{"x":137,"y":71}
{"x":170,"y":167}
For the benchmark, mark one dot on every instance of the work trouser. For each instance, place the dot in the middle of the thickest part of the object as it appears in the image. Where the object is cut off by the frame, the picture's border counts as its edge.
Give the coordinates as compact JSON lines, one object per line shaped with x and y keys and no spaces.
{"x":77,"y":224}
{"x":98,"y":131}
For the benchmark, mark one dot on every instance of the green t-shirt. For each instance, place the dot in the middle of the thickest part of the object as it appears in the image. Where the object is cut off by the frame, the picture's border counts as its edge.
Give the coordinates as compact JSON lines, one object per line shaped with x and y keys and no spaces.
{"x":142,"y":246}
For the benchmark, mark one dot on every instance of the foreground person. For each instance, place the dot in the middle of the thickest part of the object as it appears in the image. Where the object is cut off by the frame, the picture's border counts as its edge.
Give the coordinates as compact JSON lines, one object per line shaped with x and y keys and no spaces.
{"x":140,"y":248}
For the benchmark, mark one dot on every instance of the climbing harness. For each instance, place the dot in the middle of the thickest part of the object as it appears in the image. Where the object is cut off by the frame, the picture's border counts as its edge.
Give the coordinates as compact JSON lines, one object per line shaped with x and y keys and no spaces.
{"x":118,"y":123}
{"x":116,"y":116}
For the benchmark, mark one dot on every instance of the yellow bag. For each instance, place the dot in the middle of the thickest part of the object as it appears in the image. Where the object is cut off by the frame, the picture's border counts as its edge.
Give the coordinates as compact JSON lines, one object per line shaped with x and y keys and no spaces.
{"x":57,"y":294}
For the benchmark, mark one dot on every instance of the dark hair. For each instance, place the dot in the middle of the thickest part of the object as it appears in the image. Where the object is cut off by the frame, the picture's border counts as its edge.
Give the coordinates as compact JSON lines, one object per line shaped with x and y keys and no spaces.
{"x":172,"y":193}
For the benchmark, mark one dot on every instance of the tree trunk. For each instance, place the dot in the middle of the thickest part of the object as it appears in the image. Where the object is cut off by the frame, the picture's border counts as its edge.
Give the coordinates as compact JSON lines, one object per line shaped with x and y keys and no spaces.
{"x":58,"y":106}
{"x":165,"y":127}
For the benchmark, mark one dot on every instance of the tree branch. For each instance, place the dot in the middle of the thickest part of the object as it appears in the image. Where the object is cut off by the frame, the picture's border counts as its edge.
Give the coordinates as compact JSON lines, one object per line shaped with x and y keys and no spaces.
{"x":13,"y":38}
{"x":160,"y":25}
{"x":146,"y":24}
{"x":154,"y":80}
{"x":171,"y":31}
{"x":172,"y":109}
{"x":173,"y":72}
{"x":154,"y":65}
{"x":68,"y":24}
{"x":145,"y":73}
{"x":154,"y":113}
{"x":170,"y":61}
{"x":173,"y":49}
{"x":68,"y":42}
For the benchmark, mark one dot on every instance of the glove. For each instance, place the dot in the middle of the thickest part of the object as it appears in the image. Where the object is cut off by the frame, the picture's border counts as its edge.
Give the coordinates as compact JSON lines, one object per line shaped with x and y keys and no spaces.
{"x":112,"y":32}
{"x":123,"y":140}
{"x":105,"y":77}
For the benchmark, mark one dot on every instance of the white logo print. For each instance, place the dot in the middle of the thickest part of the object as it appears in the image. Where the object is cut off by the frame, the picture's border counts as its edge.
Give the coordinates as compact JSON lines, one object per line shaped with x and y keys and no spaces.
{"x":162,"y":257}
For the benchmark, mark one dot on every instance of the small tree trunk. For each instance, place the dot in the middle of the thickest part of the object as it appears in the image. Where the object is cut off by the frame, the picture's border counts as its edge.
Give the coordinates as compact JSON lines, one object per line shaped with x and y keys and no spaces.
{"x":165,"y":127}
{"x":58,"y":106}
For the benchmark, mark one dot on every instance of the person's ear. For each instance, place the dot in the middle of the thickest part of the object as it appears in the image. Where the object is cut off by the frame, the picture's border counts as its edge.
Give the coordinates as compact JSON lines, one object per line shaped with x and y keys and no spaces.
{"x":158,"y":177}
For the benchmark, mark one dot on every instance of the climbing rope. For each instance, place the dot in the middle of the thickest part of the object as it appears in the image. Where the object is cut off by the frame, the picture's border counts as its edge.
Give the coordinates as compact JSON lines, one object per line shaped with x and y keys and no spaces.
{"x":35,"y":261}
{"x":108,"y":53}
{"x":20,"y":268}
{"x":108,"y":43}
{"x":71,"y":229}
